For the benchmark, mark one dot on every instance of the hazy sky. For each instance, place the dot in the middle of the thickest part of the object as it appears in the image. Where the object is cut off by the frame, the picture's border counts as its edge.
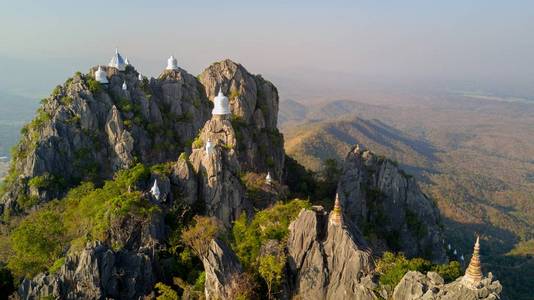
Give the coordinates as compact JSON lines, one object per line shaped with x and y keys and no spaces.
{"x":484,"y":42}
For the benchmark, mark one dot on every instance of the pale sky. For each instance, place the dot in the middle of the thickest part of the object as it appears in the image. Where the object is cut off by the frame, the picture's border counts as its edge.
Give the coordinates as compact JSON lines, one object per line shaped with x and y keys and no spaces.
{"x":486,"y":42}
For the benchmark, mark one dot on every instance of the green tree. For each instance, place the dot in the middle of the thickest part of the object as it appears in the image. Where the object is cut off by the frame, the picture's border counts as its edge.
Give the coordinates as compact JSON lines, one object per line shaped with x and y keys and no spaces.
{"x":37,"y":243}
{"x":165,"y":292}
{"x":199,"y":235}
{"x":271,"y":270}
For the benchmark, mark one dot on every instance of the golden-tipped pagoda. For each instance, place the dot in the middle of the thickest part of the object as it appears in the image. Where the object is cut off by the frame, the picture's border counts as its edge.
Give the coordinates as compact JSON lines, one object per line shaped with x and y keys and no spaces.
{"x":336,"y":217}
{"x":473,"y":274}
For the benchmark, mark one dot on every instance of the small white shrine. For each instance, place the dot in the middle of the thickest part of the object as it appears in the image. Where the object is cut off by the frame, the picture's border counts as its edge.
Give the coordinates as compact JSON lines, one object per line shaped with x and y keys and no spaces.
{"x":140,"y":77}
{"x":209,"y":147}
{"x":101,"y":76}
{"x":124,"y":86}
{"x":172,"y":63}
{"x":117,"y":61}
{"x":155,"y":190}
{"x":268,"y":178}
{"x":221,"y":105}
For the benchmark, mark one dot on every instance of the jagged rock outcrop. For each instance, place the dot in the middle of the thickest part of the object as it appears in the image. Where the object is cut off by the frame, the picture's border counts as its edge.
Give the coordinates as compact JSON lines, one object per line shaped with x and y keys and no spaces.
{"x":221,"y":266}
{"x":417,"y":286}
{"x":221,"y":190}
{"x":86,"y":130}
{"x":254,"y":104}
{"x":389,"y":208}
{"x":99,"y":272}
{"x":328,"y":261}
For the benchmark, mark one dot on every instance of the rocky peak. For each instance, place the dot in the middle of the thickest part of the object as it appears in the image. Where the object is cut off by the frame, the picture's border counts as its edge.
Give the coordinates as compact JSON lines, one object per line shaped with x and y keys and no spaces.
{"x":254,"y":105}
{"x":328,"y":261}
{"x":388,"y":206}
{"x":221,"y":190}
{"x":86,"y":130}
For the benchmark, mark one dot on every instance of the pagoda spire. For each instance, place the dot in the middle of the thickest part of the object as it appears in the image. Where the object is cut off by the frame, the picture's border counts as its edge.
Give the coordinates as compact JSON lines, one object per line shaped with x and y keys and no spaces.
{"x":336,"y":217}
{"x":473,"y":274}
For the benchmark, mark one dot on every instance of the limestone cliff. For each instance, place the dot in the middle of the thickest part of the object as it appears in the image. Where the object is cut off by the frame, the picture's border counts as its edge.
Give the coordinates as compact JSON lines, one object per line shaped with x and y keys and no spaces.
{"x":254,"y":104}
{"x":388,"y":206}
{"x":221,"y":266}
{"x":86,"y":131}
{"x":328,"y":261}
{"x":218,"y":170}
{"x":100,"y":272}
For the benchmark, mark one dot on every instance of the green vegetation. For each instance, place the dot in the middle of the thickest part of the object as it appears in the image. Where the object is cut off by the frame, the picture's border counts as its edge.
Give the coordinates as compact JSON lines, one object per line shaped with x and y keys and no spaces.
{"x":37,"y":242}
{"x":85,"y":214}
{"x":268,"y":224}
{"x":165,"y":292}
{"x":94,"y":86}
{"x":197,"y":143}
{"x":199,"y":235}
{"x":392,"y":268}
{"x":271,"y":270}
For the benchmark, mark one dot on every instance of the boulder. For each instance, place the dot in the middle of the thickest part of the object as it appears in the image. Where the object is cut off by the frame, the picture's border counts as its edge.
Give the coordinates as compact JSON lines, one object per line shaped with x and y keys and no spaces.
{"x":416,"y":286}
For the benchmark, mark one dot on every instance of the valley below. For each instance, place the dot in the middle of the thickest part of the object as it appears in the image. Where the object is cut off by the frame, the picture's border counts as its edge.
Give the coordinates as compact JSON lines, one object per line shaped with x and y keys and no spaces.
{"x":473,"y":157}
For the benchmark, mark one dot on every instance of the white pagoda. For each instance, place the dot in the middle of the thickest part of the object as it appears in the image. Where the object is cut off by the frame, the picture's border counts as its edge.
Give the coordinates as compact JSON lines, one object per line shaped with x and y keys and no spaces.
{"x":221,"y":105}
{"x":172,"y":63}
{"x":140,"y":77}
{"x":268,"y":178}
{"x":124,"y":86}
{"x":117,"y":61}
{"x":126,"y":61}
{"x":101,"y":76}
{"x":155,"y":190}
{"x":209,"y":147}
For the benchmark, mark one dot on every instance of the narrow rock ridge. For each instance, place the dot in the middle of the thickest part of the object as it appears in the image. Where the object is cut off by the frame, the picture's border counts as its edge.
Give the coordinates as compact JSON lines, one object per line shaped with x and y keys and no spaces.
{"x":389,"y":208}
{"x":218,"y":170}
{"x":328,"y":261}
{"x":221,"y":266}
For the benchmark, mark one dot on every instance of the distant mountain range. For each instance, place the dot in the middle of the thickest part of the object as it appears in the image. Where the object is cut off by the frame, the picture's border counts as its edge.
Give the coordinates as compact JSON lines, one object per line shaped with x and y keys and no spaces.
{"x":473,"y":157}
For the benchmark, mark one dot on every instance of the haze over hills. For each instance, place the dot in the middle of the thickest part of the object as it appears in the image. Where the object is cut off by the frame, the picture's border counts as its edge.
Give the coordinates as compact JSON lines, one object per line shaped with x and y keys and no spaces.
{"x":473,"y":156}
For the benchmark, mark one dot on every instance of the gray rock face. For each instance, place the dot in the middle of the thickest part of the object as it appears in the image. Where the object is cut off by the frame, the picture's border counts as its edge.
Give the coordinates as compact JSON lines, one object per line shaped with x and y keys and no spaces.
{"x":221,"y":189}
{"x":388,"y":206}
{"x":97,"y":272}
{"x":328,"y":261}
{"x":221,"y":266}
{"x":416,"y":286}
{"x":87,"y":130}
{"x":254,"y":104}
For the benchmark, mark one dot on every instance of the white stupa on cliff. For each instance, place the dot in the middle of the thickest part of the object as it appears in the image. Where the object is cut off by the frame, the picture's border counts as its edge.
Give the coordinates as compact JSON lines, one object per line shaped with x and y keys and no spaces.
{"x":268,"y":178}
{"x":101,"y":76}
{"x":117,"y":61}
{"x":221,"y":105}
{"x":155,"y":190}
{"x":209,"y":147}
{"x":172,"y":63}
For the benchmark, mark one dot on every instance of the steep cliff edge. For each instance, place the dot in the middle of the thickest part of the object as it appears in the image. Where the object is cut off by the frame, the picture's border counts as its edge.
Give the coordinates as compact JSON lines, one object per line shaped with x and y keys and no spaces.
{"x":389,"y":208}
{"x":328,"y":261}
{"x":254,"y":104}
{"x":87,"y":130}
